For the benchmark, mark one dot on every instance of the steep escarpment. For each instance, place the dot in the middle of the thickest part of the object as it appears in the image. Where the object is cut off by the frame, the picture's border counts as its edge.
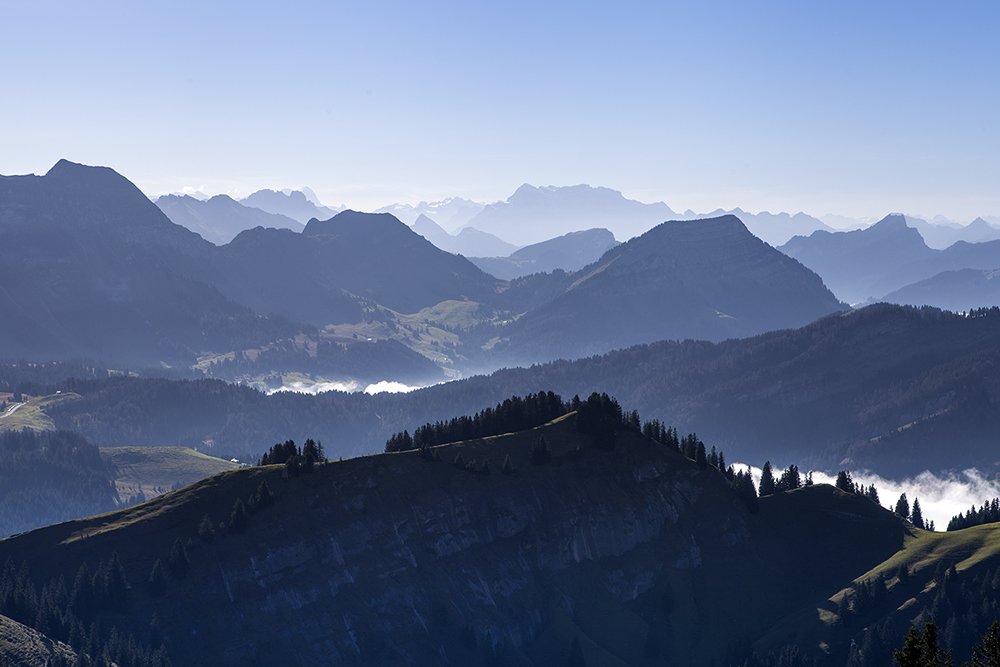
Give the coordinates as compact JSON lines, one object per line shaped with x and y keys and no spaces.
{"x":637,"y":555}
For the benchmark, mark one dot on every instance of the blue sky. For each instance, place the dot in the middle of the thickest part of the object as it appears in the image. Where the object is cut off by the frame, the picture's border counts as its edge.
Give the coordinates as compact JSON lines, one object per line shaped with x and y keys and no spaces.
{"x":850,"y":108}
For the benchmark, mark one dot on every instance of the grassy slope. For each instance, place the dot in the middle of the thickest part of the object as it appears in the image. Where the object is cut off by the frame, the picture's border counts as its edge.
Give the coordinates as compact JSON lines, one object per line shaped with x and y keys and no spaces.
{"x":32,"y":413}
{"x":21,"y":646}
{"x":155,"y":470}
{"x":805,"y":548}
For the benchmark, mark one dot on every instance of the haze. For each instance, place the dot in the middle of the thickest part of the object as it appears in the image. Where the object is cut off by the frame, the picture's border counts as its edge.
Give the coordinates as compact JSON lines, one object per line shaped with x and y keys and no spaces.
{"x":854,"y":108}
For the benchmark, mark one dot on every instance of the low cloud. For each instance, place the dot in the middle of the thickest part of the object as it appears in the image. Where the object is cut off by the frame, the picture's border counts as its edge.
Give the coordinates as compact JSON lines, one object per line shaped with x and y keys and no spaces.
{"x":388,"y":387}
{"x":941,"y":496}
{"x":318,"y":387}
{"x":383,"y":387}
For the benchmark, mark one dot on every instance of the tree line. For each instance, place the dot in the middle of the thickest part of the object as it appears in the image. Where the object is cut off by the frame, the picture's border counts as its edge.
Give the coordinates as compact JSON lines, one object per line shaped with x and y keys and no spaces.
{"x":512,"y":415}
{"x":988,"y":513}
{"x":51,"y":476}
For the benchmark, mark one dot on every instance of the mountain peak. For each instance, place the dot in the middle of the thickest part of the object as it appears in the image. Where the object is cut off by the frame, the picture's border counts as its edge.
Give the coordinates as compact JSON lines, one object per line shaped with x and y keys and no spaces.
{"x":350,"y":222}
{"x":891,"y":222}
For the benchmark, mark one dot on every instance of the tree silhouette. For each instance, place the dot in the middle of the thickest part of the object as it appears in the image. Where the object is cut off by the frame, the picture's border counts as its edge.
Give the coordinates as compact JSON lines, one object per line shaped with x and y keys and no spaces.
{"x":766,"y":480}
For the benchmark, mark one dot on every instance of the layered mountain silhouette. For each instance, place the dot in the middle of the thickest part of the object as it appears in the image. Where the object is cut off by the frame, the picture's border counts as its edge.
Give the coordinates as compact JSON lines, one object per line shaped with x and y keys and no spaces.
{"x":220,"y":218}
{"x":451,"y":214}
{"x":773,"y":228}
{"x":940,"y":236}
{"x":958,"y":291}
{"x":293,"y":204}
{"x":532,"y":215}
{"x":705,"y":279}
{"x":89,"y":267}
{"x":469,"y":242}
{"x":570,"y":252}
{"x":862,"y":265}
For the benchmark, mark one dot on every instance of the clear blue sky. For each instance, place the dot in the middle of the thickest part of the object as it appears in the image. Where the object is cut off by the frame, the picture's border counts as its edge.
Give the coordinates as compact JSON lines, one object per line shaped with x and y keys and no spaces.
{"x":855,"y":108}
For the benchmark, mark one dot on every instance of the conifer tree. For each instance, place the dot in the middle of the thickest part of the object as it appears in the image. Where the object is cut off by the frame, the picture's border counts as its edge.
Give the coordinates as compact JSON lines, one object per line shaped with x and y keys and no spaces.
{"x":238,"y":518}
{"x":206,"y":529}
{"x":541,"y":453}
{"x":903,"y":506}
{"x":845,"y":483}
{"x":157,"y":579}
{"x":699,"y":456}
{"x":766,"y":480}
{"x":916,"y":516}
{"x":263,"y":498}
{"x":178,"y":562}
{"x":508,"y":466}
{"x":923,"y":650}
{"x":115,"y":586}
{"x":987,"y":652}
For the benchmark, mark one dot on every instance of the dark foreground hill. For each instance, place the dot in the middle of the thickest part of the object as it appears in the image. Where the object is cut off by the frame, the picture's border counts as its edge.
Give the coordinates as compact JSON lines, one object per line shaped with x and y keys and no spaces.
{"x":634,"y":556}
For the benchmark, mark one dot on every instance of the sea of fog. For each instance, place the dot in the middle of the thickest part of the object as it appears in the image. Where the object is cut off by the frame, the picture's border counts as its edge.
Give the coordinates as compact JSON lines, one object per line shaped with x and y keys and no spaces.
{"x":382,"y":387}
{"x":941,"y":496}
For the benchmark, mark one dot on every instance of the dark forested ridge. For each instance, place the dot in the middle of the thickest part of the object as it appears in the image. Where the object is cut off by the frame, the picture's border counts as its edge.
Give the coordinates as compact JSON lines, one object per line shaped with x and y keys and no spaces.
{"x":887,"y":387}
{"x":50,"y":477}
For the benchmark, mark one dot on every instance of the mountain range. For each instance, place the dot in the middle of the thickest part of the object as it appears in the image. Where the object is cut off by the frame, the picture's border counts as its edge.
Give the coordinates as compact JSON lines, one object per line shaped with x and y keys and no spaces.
{"x":469,"y":242}
{"x":293,"y":204}
{"x":532,"y":215}
{"x":506,"y":531}
{"x":221,"y":218}
{"x":706,"y":279}
{"x":99,"y":271}
{"x":866,"y":264}
{"x":569,"y":252}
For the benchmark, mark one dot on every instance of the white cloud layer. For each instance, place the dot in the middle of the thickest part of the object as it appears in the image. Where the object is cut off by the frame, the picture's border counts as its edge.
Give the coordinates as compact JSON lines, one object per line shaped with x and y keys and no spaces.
{"x":941,"y":496}
{"x":384,"y":386}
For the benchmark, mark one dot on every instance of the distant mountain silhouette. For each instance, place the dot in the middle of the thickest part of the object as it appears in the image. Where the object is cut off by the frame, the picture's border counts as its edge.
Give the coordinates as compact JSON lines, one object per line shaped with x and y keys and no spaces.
{"x":451,"y":214}
{"x":703,"y":279}
{"x":375,"y":256}
{"x":957,"y":291}
{"x":220,"y":218}
{"x":433,"y":232}
{"x":90,"y":267}
{"x":469,"y":242}
{"x":532,"y":215}
{"x":775,"y":228}
{"x":294,"y":205}
{"x":570,"y":252}
{"x":862,"y":265}
{"x":940,"y":236}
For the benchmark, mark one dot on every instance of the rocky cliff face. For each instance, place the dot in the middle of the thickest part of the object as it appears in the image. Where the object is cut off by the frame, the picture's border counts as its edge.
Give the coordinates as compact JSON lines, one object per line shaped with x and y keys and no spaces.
{"x":636,"y":554}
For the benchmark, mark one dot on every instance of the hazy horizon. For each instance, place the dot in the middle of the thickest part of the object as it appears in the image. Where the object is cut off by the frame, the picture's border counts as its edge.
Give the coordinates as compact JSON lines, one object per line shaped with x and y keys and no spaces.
{"x":852,"y":109}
